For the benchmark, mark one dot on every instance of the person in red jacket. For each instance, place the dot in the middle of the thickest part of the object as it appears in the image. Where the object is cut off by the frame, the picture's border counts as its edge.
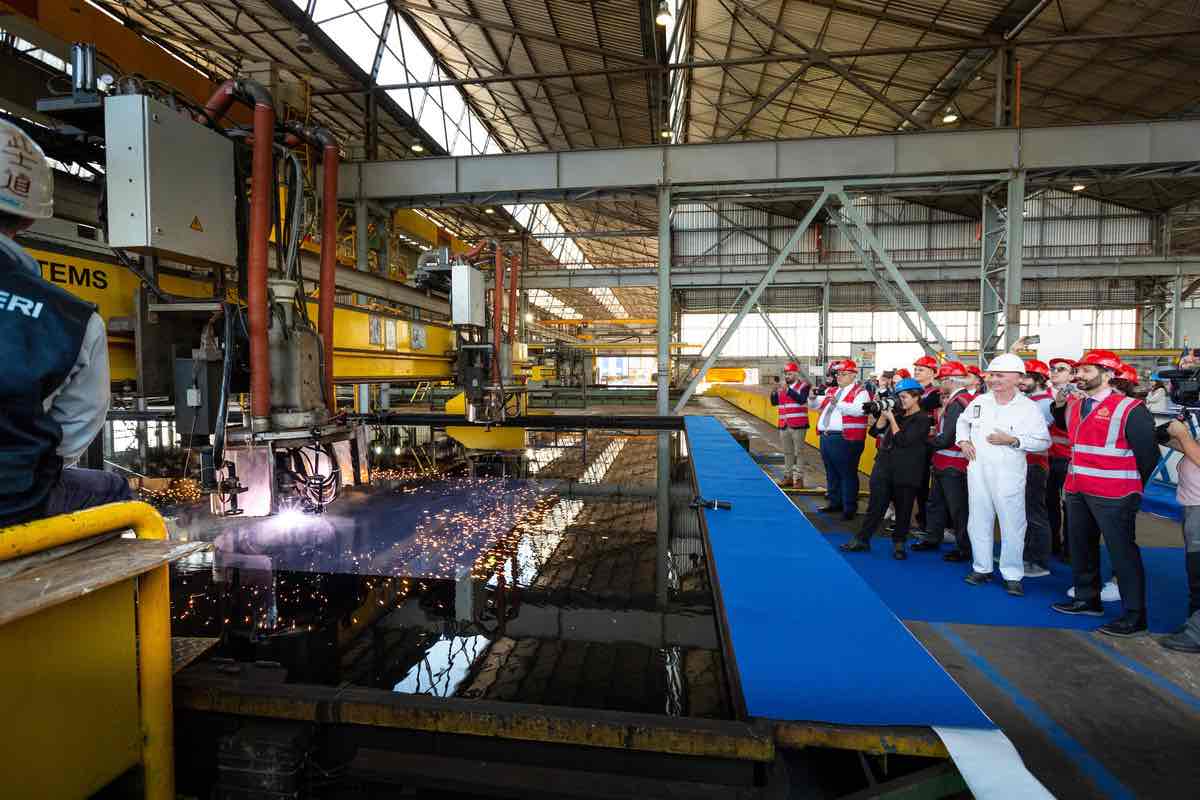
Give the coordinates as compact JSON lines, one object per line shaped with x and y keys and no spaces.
{"x":792,"y":400}
{"x":1113,"y":453}
{"x":1037,"y":520}
{"x":842,"y":425}
{"x":1062,"y":372}
{"x":948,"y":497}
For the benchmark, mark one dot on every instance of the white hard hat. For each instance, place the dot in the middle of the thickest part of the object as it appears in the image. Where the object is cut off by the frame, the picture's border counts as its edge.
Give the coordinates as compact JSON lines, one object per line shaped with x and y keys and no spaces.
{"x":1007,"y":362}
{"x":26,"y":180}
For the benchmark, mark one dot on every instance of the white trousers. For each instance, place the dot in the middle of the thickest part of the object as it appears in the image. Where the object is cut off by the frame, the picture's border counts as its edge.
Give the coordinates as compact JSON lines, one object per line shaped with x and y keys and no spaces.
{"x":993,"y":493}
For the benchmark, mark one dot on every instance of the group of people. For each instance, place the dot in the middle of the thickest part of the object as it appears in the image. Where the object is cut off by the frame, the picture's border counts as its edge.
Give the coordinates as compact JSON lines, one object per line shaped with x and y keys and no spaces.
{"x":1054,"y":454}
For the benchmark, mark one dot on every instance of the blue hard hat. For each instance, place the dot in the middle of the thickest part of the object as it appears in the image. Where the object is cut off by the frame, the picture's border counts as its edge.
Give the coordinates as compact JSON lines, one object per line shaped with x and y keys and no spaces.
{"x":909,"y":385}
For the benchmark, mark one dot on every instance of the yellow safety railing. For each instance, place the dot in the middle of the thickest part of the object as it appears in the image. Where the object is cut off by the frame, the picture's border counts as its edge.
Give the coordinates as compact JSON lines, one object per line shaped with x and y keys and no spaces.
{"x":153,"y":620}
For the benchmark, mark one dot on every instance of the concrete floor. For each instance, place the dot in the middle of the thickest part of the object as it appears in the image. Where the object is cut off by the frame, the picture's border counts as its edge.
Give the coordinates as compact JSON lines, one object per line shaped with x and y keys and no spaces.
{"x":1090,"y":715}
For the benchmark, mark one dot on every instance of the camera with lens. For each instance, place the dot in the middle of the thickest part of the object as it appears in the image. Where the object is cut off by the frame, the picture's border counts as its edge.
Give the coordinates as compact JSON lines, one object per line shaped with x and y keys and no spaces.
{"x":1185,"y":386}
{"x":884,"y":402}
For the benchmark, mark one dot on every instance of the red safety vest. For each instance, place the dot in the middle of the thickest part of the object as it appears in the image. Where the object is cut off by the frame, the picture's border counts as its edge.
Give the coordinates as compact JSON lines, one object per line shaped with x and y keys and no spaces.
{"x":1041,"y":459}
{"x":1102,"y":464}
{"x":952,"y":457}
{"x":791,"y":413}
{"x":854,"y":428}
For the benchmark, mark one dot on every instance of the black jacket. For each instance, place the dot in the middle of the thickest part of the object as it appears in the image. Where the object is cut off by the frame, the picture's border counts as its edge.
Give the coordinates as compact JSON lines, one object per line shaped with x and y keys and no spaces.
{"x":904,"y":455}
{"x":948,"y":437}
{"x":1139,"y":432}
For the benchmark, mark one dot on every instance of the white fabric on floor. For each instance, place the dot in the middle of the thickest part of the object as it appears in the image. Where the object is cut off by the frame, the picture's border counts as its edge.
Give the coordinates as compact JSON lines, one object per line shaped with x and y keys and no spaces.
{"x":990,"y":765}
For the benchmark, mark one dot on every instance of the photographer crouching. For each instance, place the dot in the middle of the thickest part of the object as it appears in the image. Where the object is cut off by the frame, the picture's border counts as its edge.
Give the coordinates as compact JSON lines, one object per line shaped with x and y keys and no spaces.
{"x":902,"y":431}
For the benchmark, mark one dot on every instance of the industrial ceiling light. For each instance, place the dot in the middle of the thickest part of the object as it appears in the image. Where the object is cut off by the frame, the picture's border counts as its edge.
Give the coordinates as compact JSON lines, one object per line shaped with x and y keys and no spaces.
{"x":663,"y":17}
{"x":304,"y":44}
{"x":1079,"y":187}
{"x":665,"y":134}
{"x":528,"y":317}
{"x":489,"y":211}
{"x":417,"y":147}
{"x":512,"y":230}
{"x":951,"y":116}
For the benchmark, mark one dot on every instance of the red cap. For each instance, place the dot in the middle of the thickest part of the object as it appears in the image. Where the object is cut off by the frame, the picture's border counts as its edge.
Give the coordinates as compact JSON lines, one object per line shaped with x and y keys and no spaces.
{"x":926,"y":361}
{"x":1069,"y":362}
{"x":1035,"y":367}
{"x":975,"y":370}
{"x":1128,"y":373}
{"x":1101,"y":358}
{"x":792,"y":366}
{"x":952,"y":369}
{"x":844,"y":365}
{"x":903,"y":373}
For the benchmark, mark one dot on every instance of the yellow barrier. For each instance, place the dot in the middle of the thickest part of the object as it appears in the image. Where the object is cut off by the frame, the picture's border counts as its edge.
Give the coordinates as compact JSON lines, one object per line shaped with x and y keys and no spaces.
{"x":153,"y":621}
{"x":758,"y":402}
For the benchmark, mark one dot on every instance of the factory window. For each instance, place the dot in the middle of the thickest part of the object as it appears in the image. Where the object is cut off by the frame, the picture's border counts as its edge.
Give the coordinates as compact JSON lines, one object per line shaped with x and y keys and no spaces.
{"x":1108,"y":328}
{"x":753,"y":338}
{"x":626,"y":370}
{"x":376,"y":330}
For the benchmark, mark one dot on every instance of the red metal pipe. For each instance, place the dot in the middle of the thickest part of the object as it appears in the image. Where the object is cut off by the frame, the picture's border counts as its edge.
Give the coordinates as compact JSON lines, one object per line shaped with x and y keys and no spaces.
{"x":329,"y":210}
{"x":261,"y":180}
{"x":498,"y":304}
{"x":512,"y":298}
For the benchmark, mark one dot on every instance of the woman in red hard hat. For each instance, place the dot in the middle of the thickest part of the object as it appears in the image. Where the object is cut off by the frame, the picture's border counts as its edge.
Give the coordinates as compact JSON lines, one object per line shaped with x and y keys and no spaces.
{"x":1113,"y":454}
{"x":792,"y":400}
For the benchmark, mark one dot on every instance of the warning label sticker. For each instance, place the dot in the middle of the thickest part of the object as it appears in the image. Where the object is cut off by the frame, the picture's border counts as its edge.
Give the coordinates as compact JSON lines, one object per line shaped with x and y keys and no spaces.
{"x":196,"y":226}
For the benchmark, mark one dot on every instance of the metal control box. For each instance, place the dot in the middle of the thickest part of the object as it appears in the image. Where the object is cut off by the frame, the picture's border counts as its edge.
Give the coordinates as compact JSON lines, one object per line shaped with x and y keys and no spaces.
{"x":170,"y":183}
{"x":466,"y":295}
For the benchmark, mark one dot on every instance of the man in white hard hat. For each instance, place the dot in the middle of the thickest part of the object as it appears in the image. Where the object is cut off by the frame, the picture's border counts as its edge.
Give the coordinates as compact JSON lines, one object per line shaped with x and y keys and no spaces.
{"x":995,"y":431}
{"x":54,"y":385}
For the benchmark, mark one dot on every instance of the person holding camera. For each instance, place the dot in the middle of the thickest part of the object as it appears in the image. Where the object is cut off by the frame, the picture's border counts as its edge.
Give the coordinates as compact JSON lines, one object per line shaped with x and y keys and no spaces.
{"x":948,"y":497}
{"x":1114,"y":451}
{"x":1037,"y":519}
{"x":842,"y":426}
{"x":995,"y":432}
{"x":792,"y":400}
{"x":1187,"y":638}
{"x":902,"y":430}
{"x":1062,"y":374}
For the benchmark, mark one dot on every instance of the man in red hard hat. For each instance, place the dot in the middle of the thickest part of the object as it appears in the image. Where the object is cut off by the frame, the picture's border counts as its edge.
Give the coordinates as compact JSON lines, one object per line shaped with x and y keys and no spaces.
{"x":792,"y":401}
{"x":1037,"y":520}
{"x":842,"y":426}
{"x":975,"y":382}
{"x":1113,"y":454}
{"x":948,"y":497}
{"x":1062,"y":373}
{"x":925,"y":371}
{"x":1125,"y":380}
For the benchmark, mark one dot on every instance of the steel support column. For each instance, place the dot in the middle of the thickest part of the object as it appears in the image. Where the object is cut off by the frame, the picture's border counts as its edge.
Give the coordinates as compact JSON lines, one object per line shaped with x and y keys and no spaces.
{"x":891,"y":282}
{"x":787,"y":351}
{"x":663,"y":501}
{"x":1176,"y":317}
{"x":1002,"y":239}
{"x":756,"y":293}
{"x":823,"y":326}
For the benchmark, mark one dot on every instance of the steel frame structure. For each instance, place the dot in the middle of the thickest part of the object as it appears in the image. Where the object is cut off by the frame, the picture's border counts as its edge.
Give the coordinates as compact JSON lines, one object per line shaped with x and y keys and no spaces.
{"x":1002,"y":236}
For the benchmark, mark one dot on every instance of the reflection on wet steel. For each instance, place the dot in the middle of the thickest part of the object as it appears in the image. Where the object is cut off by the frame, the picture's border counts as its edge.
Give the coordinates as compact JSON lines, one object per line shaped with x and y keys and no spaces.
{"x":541,"y":587}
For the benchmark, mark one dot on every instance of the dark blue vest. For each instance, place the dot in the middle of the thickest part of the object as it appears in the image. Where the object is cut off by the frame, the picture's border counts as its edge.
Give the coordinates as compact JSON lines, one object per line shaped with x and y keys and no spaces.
{"x":41,"y":331}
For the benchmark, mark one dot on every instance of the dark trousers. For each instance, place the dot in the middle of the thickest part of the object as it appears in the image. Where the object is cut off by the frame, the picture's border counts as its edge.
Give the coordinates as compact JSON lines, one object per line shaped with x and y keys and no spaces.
{"x":1191,"y":544}
{"x":885,"y":492}
{"x":1037,"y":523}
{"x":948,"y":508}
{"x":1055,"y":512}
{"x":78,"y":489}
{"x":922,"y":497}
{"x":841,"y":471}
{"x":1090,"y":518}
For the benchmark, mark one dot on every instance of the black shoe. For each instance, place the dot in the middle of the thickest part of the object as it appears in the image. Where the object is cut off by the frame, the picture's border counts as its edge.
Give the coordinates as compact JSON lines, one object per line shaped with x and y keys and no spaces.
{"x":1127,"y":626}
{"x":1181,"y":642}
{"x":830,"y":509}
{"x":847,"y":515}
{"x":977,"y":578}
{"x":1014,"y":588}
{"x":898,"y":553}
{"x":956,"y":555}
{"x":1076,"y":607}
{"x":854,"y":546}
{"x":927,"y":546}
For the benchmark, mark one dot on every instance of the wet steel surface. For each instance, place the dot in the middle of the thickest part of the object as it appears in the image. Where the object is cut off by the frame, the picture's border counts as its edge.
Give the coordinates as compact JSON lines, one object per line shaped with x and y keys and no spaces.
{"x":505,"y":587}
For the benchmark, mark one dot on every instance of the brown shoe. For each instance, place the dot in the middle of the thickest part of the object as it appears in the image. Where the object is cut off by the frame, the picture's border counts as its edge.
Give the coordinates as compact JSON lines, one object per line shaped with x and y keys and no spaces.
{"x":797,"y":483}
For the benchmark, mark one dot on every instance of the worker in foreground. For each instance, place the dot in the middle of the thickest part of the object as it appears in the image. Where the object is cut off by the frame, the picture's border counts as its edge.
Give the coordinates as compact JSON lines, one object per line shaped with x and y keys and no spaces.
{"x":792,"y":401}
{"x":995,"y":431}
{"x":54,"y":388}
{"x":1113,"y":454}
